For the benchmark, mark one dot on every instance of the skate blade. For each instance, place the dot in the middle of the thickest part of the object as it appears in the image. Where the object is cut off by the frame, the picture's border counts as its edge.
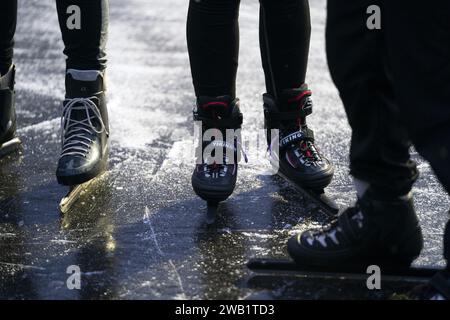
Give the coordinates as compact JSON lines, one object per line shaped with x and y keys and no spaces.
{"x":320,"y":198}
{"x":74,"y":194}
{"x":10,"y":147}
{"x":211,"y":213}
{"x":284,"y":267}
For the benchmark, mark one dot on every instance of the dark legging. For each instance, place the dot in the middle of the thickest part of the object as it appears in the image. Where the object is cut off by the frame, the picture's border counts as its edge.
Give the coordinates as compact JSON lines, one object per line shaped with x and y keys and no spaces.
{"x":84,"y":47}
{"x":213,"y":42}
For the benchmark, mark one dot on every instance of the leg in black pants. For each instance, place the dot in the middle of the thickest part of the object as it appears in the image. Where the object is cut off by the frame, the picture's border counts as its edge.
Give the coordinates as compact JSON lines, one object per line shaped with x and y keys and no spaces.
{"x":8,"y":17}
{"x":419,"y":51}
{"x":84,"y":26}
{"x":84,"y":153}
{"x":395,"y":85}
{"x":357,"y":57}
{"x":285,"y":31}
{"x":85,"y":47}
{"x":213,"y":42}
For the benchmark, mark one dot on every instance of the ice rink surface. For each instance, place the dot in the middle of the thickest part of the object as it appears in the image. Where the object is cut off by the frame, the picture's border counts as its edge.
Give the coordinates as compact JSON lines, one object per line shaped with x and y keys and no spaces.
{"x":141,"y":232}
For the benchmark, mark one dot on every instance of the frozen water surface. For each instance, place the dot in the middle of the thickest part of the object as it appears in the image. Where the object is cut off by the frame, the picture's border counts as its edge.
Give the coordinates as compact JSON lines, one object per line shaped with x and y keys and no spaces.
{"x":141,"y":232}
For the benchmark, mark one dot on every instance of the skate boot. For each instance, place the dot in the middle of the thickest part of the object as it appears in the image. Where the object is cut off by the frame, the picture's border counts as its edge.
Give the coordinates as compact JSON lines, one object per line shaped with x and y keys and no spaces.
{"x":377,"y":231}
{"x":85,"y":130}
{"x":297,"y":158}
{"x":214,"y":177}
{"x":8,"y":140}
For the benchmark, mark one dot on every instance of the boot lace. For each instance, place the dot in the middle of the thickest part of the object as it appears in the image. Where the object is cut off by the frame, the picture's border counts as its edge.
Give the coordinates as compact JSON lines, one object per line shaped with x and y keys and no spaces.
{"x":77,"y":135}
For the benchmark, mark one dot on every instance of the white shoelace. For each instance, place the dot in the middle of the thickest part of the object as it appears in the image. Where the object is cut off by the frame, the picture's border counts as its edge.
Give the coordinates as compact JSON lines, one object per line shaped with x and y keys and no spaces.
{"x":75,"y":133}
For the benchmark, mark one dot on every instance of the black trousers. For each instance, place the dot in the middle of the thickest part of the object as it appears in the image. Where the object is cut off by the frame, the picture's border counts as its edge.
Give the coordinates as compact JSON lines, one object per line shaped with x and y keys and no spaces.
{"x":213,"y":42}
{"x":395,"y":86}
{"x":84,"y":46}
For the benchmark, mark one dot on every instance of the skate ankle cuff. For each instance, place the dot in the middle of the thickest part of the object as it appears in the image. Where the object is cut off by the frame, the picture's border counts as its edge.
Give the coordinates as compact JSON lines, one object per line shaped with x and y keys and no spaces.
{"x":275,"y":118}
{"x":233,"y":122}
{"x":84,"y":75}
{"x":441,"y":283}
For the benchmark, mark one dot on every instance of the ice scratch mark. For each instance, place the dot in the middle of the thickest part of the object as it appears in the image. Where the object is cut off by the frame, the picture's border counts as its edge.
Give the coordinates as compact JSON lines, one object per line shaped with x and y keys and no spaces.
{"x":7,"y":235}
{"x":63,"y":241}
{"x":22,"y":266}
{"x":147,"y":221}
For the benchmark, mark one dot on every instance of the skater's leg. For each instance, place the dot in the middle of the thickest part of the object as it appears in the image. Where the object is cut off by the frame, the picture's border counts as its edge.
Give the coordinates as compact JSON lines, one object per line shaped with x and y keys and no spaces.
{"x":8,"y":17}
{"x":421,"y":70}
{"x":84,"y":26}
{"x":379,"y":153}
{"x":213,"y":43}
{"x":383,"y":227}
{"x":285,"y":31}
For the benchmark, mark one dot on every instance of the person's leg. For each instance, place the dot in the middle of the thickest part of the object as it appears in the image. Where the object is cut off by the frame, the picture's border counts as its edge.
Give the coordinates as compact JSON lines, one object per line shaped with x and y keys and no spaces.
{"x":383,"y":227}
{"x":213,"y":43}
{"x":84,"y":27}
{"x":285,"y":31}
{"x":8,"y":17}
{"x":379,"y":153}
{"x":419,"y":42}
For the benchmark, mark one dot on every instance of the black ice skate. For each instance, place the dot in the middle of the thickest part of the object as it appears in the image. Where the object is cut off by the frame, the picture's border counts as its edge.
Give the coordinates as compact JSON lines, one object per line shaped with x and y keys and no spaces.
{"x":214,"y":180}
{"x":377,"y":231}
{"x":297,"y":159}
{"x":8,"y":140}
{"x":85,"y":132}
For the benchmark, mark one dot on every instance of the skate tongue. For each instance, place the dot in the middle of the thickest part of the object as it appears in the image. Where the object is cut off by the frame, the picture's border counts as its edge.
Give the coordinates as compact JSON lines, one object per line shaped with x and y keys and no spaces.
{"x":214,"y":106}
{"x":294,"y":99}
{"x":82,"y":114}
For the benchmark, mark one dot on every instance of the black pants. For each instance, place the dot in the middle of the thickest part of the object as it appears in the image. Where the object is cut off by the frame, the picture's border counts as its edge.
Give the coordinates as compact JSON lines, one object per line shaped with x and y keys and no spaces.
{"x":84,"y":46}
{"x":213,"y":42}
{"x":395,"y":85}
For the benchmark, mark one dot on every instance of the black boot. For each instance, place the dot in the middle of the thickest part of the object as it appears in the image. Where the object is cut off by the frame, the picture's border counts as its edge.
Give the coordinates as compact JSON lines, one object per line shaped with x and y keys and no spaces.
{"x":376,"y":231}
{"x":7,"y":106}
{"x":298,"y":158}
{"x":214,"y":181}
{"x":85,"y":128}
